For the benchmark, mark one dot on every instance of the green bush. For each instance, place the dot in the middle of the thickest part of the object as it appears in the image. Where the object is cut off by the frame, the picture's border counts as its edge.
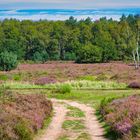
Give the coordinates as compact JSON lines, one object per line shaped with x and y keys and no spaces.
{"x":40,"y":57}
{"x":89,"y":54}
{"x":4,"y":77}
{"x":102,"y":77}
{"x":8,"y":61}
{"x":17,"y":77}
{"x":88,"y":78}
{"x":64,"y":88}
{"x":70,"y":56}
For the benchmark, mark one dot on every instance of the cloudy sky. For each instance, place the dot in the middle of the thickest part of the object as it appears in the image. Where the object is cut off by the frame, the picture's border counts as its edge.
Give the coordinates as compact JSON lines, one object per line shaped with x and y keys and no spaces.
{"x":68,"y":4}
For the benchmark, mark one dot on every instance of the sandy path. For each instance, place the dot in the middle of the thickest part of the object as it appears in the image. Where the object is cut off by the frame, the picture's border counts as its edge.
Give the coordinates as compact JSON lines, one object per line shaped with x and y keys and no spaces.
{"x":94,"y":128}
{"x":91,"y":123}
{"x":54,"y":129}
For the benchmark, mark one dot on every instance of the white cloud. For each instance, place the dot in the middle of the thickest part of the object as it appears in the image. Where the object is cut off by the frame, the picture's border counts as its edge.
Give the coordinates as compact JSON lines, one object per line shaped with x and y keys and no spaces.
{"x":74,"y":3}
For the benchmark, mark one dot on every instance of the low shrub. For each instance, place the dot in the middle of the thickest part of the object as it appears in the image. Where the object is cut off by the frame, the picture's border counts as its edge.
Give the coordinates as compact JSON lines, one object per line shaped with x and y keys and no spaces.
{"x":134,"y":85}
{"x":17,"y":77}
{"x":102,"y":77}
{"x":8,"y":61}
{"x":64,"y":88}
{"x":4,"y":77}
{"x":88,"y":78}
{"x":44,"y":81}
{"x":23,"y":131}
{"x":22,"y":115}
{"x":122,"y":115}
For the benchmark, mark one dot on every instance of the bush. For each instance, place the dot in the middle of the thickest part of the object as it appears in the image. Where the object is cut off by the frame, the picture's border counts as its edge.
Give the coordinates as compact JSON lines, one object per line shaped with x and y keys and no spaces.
{"x":17,"y":77}
{"x":88,"y":78}
{"x":23,"y":131}
{"x":22,"y":115}
{"x":64,"y":88}
{"x":89,"y":54}
{"x":44,"y":81}
{"x":122,"y":115}
{"x":70,"y":56}
{"x":40,"y":57}
{"x":4,"y":77}
{"x":134,"y":85}
{"x":102,"y":77}
{"x":8,"y":61}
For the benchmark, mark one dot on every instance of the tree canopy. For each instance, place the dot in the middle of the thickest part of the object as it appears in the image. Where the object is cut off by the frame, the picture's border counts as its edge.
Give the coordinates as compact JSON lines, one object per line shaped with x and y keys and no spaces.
{"x":83,"y":41}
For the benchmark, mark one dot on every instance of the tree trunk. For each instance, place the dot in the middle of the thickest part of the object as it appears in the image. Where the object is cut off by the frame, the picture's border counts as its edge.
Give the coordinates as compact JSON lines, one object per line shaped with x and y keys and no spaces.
{"x":134,"y":58}
{"x":137,"y":52}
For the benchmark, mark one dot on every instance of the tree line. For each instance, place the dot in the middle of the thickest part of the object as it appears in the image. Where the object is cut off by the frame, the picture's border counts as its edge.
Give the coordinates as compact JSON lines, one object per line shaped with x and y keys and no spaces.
{"x":83,"y":41}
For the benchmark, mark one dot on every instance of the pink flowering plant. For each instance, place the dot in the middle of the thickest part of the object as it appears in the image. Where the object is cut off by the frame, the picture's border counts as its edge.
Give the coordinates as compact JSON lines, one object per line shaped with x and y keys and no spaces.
{"x":123,"y":116}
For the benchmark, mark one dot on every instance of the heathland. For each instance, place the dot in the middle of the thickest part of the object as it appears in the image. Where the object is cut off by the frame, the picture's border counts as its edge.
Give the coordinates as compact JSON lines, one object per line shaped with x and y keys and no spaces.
{"x":79,"y":93}
{"x":94,"y":95}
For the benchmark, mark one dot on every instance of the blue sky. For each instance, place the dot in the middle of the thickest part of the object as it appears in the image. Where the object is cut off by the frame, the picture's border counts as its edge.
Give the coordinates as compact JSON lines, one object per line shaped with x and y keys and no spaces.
{"x":67,"y":4}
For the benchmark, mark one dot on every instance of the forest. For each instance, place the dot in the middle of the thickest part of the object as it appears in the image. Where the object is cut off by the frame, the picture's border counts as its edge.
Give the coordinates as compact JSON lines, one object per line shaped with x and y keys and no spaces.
{"x":82,"y":41}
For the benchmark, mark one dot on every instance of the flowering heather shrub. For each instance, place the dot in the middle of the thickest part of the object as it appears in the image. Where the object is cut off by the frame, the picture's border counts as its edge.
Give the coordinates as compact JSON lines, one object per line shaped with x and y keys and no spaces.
{"x":134,"y":85}
{"x":45,"y":80}
{"x":123,"y":116}
{"x":65,"y":71}
{"x":22,"y":115}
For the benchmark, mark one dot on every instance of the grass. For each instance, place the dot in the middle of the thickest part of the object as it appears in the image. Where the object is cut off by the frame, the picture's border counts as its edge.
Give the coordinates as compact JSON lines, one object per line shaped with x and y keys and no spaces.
{"x":73,"y":125}
{"x":86,"y":84}
{"x":83,"y":136}
{"x":74,"y":85}
{"x":63,"y":138}
{"x":109,"y":134}
{"x":93,"y":97}
{"x":87,"y":93}
{"x":43,"y":129}
{"x":75,"y":112}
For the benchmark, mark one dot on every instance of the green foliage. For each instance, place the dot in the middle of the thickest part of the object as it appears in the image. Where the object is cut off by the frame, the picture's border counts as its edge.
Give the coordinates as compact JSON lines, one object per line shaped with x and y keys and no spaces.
{"x":102,"y":77}
{"x":40,"y":57}
{"x":70,"y":56}
{"x":86,"y":84}
{"x":89,"y":54}
{"x":8,"y":61}
{"x":23,"y":131}
{"x":88,"y":78}
{"x":63,"y":138}
{"x":17,"y":77}
{"x":64,"y":88}
{"x":75,"y":112}
{"x":104,"y":102}
{"x":83,"y":136}
{"x":73,"y":125}
{"x":4,"y":77}
{"x":68,"y":86}
{"x":83,"y":41}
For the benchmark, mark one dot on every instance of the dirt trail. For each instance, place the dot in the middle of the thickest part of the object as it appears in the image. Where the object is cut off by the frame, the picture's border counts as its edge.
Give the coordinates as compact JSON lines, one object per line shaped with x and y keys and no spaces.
{"x":54,"y":129}
{"x":91,"y":123}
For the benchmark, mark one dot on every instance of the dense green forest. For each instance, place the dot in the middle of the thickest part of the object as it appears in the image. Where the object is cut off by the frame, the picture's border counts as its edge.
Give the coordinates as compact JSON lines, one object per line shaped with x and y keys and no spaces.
{"x":84,"y":41}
